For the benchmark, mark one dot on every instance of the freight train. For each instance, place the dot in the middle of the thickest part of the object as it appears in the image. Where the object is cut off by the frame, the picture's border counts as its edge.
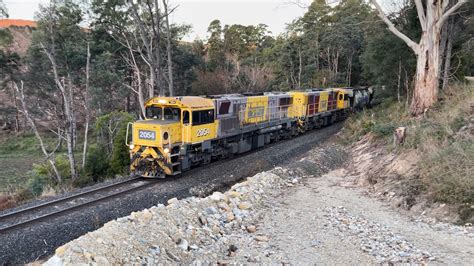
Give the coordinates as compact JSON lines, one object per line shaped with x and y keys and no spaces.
{"x":180,"y":133}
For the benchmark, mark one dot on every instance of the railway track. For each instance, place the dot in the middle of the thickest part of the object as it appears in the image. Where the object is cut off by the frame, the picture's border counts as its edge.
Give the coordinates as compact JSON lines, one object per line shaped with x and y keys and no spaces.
{"x":51,"y":209}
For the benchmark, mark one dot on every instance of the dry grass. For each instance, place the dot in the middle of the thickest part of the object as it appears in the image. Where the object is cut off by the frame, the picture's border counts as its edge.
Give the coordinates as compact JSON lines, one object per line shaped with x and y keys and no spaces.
{"x":48,"y":191}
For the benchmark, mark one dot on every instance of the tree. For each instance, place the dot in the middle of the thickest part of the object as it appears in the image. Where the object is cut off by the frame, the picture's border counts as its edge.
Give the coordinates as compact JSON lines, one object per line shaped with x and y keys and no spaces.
{"x":86,"y":107}
{"x":3,"y":10}
{"x":432,"y":15}
{"x":57,"y":59}
{"x":48,"y":155}
{"x":384,"y":53}
{"x":168,"y":49}
{"x":150,"y":36}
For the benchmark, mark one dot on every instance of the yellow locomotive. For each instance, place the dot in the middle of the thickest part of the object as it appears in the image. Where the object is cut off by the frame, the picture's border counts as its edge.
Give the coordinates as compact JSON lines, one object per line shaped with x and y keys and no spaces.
{"x":182,"y":132}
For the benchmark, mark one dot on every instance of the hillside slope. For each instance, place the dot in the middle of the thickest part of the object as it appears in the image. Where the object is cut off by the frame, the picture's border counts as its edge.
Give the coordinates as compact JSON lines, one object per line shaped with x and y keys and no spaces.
{"x":432,"y":171}
{"x":17,"y":33}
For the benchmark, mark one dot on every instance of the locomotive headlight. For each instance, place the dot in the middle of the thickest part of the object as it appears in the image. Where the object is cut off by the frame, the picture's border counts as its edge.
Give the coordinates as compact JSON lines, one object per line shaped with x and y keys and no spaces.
{"x":131,"y":146}
{"x":166,"y":150}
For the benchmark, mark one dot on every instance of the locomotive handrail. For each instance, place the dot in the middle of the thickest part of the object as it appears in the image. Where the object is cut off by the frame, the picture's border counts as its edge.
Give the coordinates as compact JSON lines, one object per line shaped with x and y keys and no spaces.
{"x":126,"y":134}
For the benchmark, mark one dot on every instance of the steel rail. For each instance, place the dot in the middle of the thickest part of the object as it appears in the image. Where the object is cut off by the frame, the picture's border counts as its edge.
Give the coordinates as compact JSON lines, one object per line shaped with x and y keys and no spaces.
{"x":77,"y":206}
{"x":65,"y":199}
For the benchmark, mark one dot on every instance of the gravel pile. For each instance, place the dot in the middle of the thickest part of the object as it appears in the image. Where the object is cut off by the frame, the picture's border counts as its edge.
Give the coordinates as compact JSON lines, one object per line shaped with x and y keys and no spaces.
{"x":373,"y":238}
{"x":211,"y":228}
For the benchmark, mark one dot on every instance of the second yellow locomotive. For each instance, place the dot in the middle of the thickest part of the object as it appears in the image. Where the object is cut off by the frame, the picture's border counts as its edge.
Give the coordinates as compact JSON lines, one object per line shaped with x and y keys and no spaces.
{"x":181,"y":132}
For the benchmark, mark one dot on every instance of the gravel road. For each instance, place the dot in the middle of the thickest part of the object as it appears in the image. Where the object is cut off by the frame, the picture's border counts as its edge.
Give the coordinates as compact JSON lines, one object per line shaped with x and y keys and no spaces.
{"x":320,"y":221}
{"x":32,"y":243}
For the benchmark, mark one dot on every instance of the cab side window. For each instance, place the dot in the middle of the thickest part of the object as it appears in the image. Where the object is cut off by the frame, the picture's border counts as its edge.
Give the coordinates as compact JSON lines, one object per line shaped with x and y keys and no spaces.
{"x":186,"y":117}
{"x":203,"y":117}
{"x":171,"y":113}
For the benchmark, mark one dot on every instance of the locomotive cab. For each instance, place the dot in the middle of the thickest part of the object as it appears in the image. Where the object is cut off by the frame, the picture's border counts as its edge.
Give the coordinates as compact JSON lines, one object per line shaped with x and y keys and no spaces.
{"x":170,"y":124}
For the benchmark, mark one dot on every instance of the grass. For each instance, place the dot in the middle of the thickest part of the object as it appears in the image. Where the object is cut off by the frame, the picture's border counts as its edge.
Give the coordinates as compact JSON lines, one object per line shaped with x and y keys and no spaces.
{"x":25,"y":174}
{"x":20,"y":162}
{"x":441,"y":138}
{"x":18,"y":153}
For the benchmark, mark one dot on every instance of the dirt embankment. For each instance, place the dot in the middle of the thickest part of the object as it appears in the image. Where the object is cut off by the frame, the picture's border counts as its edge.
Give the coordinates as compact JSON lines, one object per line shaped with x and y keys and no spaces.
{"x":395,"y":176}
{"x":20,"y":33}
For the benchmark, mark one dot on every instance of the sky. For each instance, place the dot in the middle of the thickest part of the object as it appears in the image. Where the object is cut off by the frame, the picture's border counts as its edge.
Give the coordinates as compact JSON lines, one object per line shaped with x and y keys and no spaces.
{"x":199,"y":13}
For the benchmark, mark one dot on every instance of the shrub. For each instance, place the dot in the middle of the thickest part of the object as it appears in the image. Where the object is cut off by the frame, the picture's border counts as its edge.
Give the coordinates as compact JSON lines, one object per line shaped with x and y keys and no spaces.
{"x":380,"y":120}
{"x":41,"y":176}
{"x":96,"y":167}
{"x":120,"y":160}
{"x":37,"y":181}
{"x":62,"y":164}
{"x":114,"y":141}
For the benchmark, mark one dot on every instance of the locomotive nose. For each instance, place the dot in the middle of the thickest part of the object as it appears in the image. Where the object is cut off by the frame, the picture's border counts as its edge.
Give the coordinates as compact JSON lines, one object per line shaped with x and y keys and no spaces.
{"x":155,"y":133}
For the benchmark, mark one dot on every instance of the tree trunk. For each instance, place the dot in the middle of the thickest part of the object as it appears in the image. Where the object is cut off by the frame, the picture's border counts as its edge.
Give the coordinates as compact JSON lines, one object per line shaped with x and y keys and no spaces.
{"x":447,"y":57}
{"x":399,"y":79}
{"x":152,"y":57}
{"x":17,"y":119}
{"x":141,"y":100}
{"x":300,"y":67}
{"x":427,"y":72}
{"x":72,"y":111}
{"x":70,"y":129}
{"x":66,"y":93}
{"x":86,"y":107}
{"x":447,"y":64}
{"x":349,"y":68}
{"x":168,"y":50}
{"x":137,"y":80}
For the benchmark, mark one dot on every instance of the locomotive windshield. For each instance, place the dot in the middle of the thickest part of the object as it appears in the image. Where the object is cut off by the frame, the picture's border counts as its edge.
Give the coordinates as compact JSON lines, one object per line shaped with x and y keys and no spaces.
{"x":171,"y":113}
{"x":163,"y":113}
{"x":154,"y":112}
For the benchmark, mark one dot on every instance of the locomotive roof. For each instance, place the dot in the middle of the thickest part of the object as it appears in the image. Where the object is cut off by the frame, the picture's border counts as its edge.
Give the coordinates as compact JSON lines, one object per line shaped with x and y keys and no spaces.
{"x":182,"y":101}
{"x":207,"y":101}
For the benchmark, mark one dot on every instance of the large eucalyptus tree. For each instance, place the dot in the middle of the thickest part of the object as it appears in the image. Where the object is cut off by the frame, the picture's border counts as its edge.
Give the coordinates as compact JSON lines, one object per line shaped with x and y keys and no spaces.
{"x":432,"y":15}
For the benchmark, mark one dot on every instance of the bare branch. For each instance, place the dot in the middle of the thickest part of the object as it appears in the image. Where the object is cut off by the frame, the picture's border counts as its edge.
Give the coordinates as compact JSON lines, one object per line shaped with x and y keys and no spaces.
{"x":421,"y":14}
{"x":55,"y":71}
{"x":130,"y":87}
{"x":47,"y":155}
{"x":55,"y":148}
{"x":448,"y":13}
{"x":169,"y":11}
{"x":413,"y":45}
{"x":445,"y":4}
{"x":61,"y":136}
